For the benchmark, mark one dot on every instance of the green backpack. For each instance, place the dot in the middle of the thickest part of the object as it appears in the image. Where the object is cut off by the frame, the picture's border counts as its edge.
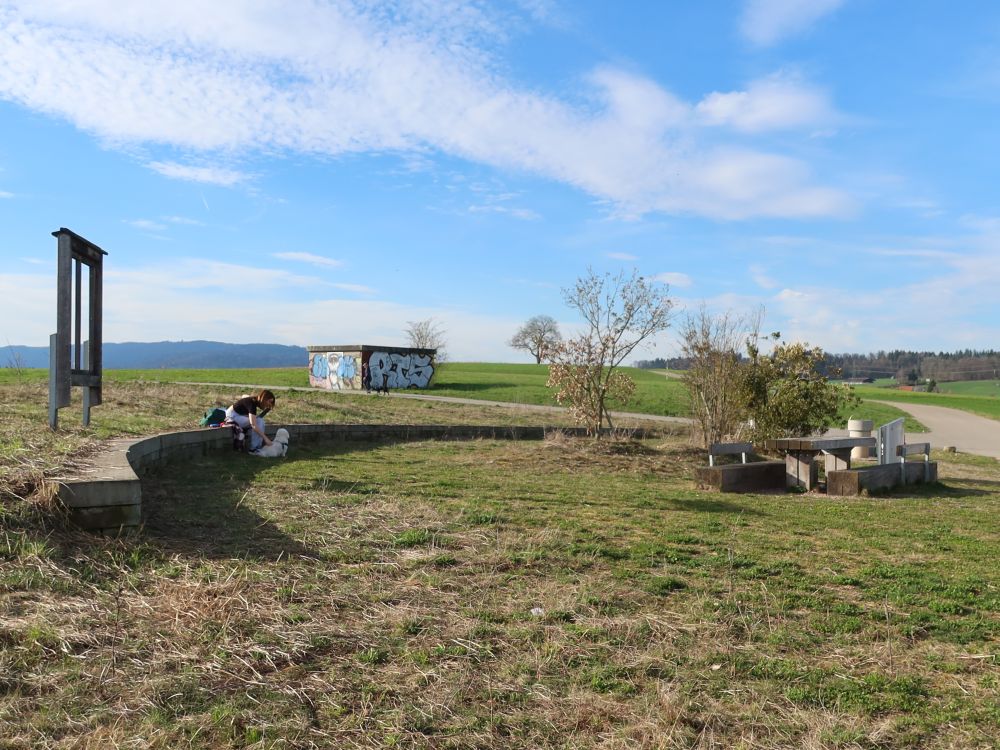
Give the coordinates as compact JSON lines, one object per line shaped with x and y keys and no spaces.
{"x":213,"y":417}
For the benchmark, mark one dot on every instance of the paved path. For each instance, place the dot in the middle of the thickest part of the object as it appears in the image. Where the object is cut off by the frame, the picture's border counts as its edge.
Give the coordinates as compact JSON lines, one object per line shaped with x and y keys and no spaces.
{"x":969,"y":433}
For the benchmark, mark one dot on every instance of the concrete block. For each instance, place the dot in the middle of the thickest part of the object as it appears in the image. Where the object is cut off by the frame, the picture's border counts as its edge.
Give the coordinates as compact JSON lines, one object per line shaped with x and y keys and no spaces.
{"x":879,"y":478}
{"x":108,"y":495}
{"x":110,"y":519}
{"x":760,"y":475}
{"x":92,"y":493}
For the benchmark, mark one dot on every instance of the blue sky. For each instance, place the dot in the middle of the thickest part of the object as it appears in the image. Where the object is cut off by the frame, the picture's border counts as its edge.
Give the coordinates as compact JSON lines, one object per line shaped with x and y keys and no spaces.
{"x":324,"y":172}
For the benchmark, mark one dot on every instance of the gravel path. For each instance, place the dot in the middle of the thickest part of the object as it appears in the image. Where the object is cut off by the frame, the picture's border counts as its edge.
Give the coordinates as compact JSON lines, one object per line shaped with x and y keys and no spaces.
{"x":969,"y":433}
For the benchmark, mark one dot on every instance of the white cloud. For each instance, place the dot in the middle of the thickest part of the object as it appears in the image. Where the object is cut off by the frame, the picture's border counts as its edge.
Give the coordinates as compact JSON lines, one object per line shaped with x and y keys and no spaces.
{"x":315,"y":260}
{"x":739,"y":183}
{"x":673,"y":278}
{"x":761,"y":278}
{"x":790,"y":295}
{"x":199,"y":274}
{"x":231,"y":78}
{"x":525,"y":214}
{"x":772,"y":103}
{"x":623,"y":256}
{"x":767,"y":22}
{"x":5,"y":194}
{"x":30,"y":308}
{"x":923,"y":253}
{"x":209,"y":175}
{"x":357,"y":288}
{"x":146,"y":225}
{"x":184,"y":221}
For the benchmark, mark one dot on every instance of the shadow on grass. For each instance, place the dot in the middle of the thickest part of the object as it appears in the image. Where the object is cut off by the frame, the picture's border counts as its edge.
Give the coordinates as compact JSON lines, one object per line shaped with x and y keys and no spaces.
{"x":198,"y":508}
{"x":940,"y":490}
{"x":468,"y":387}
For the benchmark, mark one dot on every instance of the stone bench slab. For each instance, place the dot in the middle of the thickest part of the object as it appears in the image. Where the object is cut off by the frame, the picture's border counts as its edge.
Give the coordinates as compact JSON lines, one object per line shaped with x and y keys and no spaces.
{"x":881,"y":477}
{"x":760,"y":475}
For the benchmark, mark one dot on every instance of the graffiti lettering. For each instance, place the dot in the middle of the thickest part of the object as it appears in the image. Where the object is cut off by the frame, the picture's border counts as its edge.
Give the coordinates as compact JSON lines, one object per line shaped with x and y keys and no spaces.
{"x":400,"y":370}
{"x":333,"y":370}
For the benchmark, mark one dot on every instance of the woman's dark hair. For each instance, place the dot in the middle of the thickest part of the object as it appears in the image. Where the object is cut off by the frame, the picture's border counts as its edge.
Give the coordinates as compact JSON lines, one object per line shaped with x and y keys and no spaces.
{"x":264,"y":398}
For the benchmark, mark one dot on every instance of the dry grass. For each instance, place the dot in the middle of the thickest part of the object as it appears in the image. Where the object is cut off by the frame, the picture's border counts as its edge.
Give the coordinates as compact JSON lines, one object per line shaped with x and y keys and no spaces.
{"x":31,"y":454}
{"x":504,"y":595}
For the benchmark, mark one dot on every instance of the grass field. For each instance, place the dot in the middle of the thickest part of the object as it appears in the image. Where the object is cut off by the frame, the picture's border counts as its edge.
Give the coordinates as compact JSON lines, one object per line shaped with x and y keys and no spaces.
{"x":972,"y":388}
{"x":985,"y":406}
{"x":522,"y":384}
{"x":484,"y":594}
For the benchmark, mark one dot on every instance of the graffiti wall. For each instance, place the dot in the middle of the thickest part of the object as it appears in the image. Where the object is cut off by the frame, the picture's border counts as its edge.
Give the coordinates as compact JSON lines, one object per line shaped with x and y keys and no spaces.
{"x":392,"y":369}
{"x":396,"y":371}
{"x":334,"y":370}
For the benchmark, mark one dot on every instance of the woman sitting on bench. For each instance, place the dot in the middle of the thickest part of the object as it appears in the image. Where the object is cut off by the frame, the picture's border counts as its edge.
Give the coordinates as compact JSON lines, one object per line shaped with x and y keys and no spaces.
{"x":244,"y":413}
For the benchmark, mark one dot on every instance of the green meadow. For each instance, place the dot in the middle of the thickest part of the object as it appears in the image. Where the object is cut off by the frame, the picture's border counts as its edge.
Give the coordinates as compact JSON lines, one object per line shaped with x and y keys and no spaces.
{"x":656,"y":392}
{"x":984,"y":406}
{"x":971,"y":388}
{"x":565,"y":593}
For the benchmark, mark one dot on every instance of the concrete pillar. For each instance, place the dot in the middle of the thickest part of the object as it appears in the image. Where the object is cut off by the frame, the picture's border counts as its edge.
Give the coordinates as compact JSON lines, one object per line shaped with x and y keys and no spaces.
{"x":860,"y":428}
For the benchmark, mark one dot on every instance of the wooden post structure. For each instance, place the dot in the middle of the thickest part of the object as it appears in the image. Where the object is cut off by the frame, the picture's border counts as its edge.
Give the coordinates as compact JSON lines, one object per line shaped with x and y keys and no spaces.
{"x":74,"y":361}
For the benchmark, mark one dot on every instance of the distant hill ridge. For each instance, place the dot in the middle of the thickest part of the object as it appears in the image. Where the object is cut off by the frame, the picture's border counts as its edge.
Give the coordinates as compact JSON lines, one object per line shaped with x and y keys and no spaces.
{"x":173,"y":355}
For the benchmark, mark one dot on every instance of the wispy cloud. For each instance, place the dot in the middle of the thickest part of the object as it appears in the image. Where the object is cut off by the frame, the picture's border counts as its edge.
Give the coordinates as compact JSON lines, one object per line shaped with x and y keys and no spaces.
{"x":777,"y":102}
{"x":922,"y":253}
{"x":623,"y":256}
{"x":145,"y":225}
{"x":311,"y":259}
{"x":209,"y":175}
{"x":229,"y":79}
{"x":199,"y":274}
{"x":673,"y":278}
{"x":761,"y":277}
{"x":525,"y":214}
{"x":357,"y":288}
{"x":766,"y":22}
{"x":5,"y":194}
{"x":183,"y":220}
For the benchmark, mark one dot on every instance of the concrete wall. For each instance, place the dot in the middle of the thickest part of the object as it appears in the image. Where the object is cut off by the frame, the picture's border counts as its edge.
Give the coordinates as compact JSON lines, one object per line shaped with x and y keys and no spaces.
{"x":335,"y":370}
{"x":750,"y":477}
{"x":878,"y":478}
{"x":108,"y":496}
{"x":390,"y":367}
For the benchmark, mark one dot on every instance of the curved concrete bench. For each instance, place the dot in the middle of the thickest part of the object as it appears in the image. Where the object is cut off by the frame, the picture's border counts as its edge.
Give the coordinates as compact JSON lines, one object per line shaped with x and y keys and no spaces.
{"x":107,"y":497}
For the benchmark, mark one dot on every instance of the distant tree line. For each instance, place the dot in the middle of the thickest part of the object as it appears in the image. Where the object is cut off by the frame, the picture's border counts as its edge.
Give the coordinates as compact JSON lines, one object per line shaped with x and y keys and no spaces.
{"x":663,"y":363}
{"x":904,"y":366}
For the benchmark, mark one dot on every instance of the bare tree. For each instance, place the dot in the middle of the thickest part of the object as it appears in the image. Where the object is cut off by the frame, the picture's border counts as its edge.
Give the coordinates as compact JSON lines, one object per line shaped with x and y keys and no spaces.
{"x":713,"y":345}
{"x":620,"y":312}
{"x":537,"y":337}
{"x":427,"y":334}
{"x":756,"y":396}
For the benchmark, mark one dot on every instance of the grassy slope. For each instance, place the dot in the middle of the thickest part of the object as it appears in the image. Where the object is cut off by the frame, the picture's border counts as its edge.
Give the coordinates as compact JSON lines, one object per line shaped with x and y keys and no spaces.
{"x":985,"y":406}
{"x":971,"y":387}
{"x":525,"y":384}
{"x":500,"y":595}
{"x":654,"y":393}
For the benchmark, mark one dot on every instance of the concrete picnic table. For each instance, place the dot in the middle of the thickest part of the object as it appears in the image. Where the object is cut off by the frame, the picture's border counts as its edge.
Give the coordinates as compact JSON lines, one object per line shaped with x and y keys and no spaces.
{"x":800,"y":455}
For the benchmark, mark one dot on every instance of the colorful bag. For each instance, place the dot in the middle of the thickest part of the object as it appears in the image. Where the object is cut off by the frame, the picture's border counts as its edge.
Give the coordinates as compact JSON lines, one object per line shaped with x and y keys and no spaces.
{"x":213,"y":417}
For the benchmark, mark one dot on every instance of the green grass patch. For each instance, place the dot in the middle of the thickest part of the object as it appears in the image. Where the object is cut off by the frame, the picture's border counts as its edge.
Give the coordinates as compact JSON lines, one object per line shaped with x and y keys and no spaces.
{"x":881,"y":414}
{"x":984,"y":406}
{"x":989,"y":388}
{"x":504,"y":594}
{"x":525,"y":384}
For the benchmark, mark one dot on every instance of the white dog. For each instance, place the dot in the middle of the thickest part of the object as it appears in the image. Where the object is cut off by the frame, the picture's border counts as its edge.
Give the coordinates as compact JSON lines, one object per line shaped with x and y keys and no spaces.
{"x":278,"y":447}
